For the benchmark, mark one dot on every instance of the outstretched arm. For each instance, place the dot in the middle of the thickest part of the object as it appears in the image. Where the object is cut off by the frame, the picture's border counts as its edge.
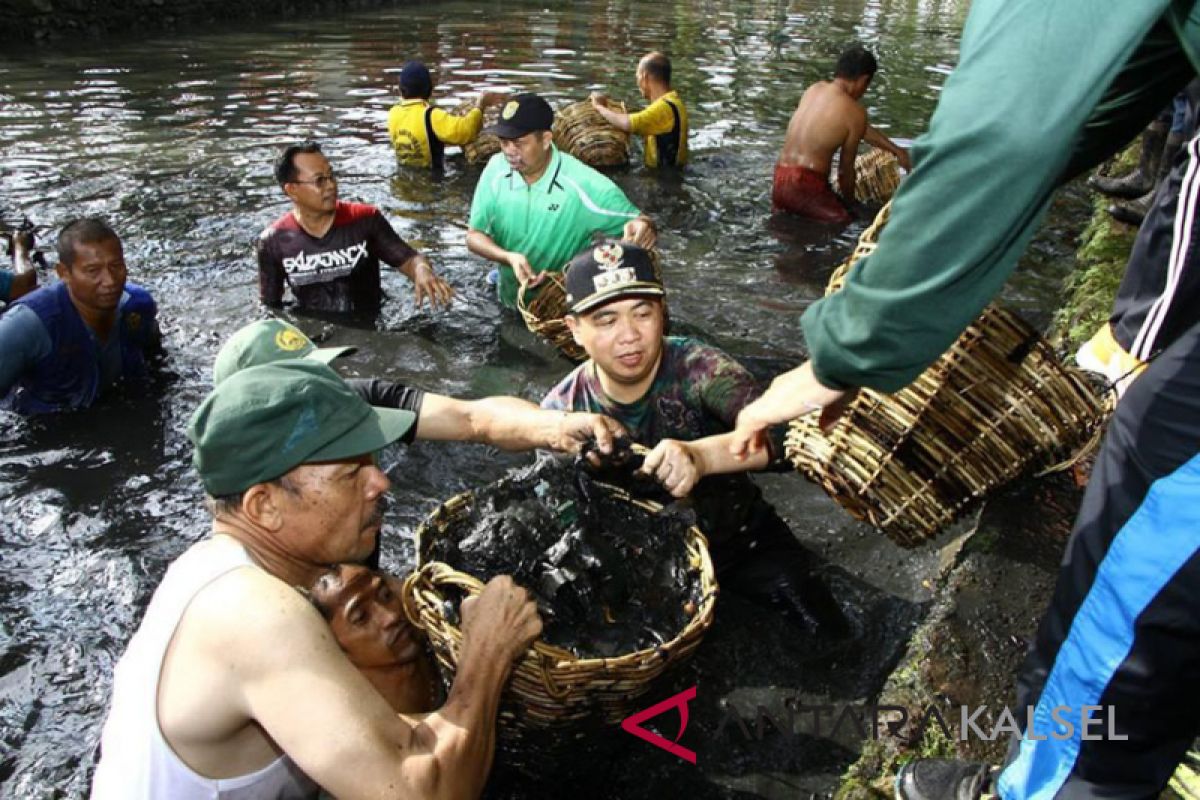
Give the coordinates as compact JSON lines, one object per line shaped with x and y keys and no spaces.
{"x":792,"y":394}
{"x":678,"y":466}
{"x":618,"y":119}
{"x":511,"y":423}
{"x":426,"y":283}
{"x":876,"y":139}
{"x":24,"y":276}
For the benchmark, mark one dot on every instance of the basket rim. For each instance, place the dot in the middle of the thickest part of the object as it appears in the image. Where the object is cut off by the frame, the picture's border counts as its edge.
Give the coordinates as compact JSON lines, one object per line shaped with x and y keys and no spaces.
{"x":548,"y":657}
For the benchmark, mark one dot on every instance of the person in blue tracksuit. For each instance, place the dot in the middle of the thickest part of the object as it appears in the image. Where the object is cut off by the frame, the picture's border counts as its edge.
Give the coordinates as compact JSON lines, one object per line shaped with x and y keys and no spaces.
{"x":64,"y":345}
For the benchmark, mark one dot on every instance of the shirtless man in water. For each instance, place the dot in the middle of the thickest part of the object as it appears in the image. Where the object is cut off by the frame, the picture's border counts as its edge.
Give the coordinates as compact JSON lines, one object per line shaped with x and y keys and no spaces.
{"x":828,"y":120}
{"x":364,"y":610}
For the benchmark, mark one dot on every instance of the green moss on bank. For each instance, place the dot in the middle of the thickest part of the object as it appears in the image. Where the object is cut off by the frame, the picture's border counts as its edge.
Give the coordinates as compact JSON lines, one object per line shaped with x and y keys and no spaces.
{"x":1100,"y":264}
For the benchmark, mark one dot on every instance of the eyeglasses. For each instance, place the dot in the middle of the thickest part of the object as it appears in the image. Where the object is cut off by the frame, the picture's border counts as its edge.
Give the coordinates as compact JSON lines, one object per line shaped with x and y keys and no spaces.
{"x":321,"y":181}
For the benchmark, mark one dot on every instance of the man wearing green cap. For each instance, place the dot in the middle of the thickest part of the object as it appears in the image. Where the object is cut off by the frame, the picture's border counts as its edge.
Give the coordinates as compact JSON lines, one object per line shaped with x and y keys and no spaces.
{"x":509,"y":423}
{"x":232,"y":685}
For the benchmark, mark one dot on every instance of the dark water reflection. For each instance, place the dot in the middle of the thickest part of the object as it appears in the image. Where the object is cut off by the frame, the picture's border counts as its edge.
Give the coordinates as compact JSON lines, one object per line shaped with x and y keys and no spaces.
{"x":171,"y":138}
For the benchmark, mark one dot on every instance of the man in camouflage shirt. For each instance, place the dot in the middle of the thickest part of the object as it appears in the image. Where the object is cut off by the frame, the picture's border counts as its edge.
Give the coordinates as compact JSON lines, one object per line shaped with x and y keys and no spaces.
{"x":681,"y":397}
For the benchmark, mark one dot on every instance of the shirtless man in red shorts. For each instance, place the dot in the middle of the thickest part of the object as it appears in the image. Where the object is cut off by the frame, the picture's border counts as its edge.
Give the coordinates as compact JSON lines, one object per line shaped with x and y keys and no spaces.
{"x":828,"y":119}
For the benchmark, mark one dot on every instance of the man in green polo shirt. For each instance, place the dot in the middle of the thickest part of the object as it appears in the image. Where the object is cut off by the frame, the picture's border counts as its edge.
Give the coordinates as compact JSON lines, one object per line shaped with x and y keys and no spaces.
{"x":535,"y":207}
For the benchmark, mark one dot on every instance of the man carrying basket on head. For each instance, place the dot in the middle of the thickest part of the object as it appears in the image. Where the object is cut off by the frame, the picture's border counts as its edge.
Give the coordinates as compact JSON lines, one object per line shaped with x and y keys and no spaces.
{"x":535,"y":206}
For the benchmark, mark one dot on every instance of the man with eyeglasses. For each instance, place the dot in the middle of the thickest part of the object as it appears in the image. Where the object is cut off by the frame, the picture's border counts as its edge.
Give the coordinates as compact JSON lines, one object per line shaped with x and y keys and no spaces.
{"x":328,"y":251}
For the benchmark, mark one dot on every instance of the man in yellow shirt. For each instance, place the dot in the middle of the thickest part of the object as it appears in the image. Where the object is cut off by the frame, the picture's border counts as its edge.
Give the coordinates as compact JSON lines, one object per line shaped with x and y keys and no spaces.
{"x":419,"y":132}
{"x":663,"y":123}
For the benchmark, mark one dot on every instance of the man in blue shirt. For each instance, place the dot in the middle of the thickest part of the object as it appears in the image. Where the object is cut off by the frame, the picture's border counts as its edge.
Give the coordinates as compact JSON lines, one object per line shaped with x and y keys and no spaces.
{"x":63,"y":345}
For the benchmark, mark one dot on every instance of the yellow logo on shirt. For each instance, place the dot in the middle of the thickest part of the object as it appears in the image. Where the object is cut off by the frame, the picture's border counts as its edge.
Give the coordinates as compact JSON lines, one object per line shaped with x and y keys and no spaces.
{"x":290,"y":340}
{"x":510,"y":109}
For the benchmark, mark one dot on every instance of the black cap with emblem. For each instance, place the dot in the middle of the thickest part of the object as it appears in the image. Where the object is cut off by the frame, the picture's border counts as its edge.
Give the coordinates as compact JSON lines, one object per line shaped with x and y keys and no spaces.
{"x":524,"y":114}
{"x":610,"y":271}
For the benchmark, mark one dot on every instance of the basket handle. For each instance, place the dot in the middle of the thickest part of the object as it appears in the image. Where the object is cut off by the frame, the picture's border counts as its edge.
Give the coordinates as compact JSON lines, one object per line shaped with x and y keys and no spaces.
{"x":435,"y":573}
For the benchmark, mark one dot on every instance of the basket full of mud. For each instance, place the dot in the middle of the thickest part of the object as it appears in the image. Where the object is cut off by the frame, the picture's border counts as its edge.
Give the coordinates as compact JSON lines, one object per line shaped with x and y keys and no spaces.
{"x":997,"y":404}
{"x":626,"y":590}
{"x":581,"y":131}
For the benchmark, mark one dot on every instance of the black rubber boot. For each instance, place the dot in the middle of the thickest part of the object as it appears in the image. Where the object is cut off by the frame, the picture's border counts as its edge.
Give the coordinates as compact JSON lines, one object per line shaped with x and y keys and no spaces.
{"x":1141,"y":180}
{"x":942,"y":779}
{"x":1134,"y":211}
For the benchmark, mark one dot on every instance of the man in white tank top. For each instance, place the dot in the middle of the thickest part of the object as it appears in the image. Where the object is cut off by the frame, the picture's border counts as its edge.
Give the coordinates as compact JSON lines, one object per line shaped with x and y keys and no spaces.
{"x":233,"y":686}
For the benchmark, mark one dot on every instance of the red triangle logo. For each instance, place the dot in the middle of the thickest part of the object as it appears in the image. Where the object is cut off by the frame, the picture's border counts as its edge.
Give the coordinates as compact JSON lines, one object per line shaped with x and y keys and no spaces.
{"x":633,"y":724}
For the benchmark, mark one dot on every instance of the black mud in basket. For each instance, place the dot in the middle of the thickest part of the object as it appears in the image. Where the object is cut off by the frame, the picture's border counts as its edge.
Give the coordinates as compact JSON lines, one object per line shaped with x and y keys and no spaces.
{"x":551,"y":687}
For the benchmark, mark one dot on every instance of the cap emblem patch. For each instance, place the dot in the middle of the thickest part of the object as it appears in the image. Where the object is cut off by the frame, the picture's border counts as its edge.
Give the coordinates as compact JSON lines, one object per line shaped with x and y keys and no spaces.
{"x":290,"y":340}
{"x":510,"y":109}
{"x":614,"y":278}
{"x":608,"y":256}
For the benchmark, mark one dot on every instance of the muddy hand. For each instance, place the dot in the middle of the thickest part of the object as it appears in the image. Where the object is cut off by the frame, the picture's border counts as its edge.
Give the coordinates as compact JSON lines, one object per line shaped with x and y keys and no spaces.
{"x":426,"y":284}
{"x":501,"y":620}
{"x":579,"y":432}
{"x":672,"y":464}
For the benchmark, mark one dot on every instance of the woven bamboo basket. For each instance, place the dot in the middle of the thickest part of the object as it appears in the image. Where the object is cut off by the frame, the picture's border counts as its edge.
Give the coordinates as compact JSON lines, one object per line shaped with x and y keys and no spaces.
{"x":998,"y":403}
{"x":550,"y":686}
{"x":876,"y":176}
{"x":867,"y":241}
{"x":544,"y":315}
{"x":581,"y":131}
{"x":485,"y":145}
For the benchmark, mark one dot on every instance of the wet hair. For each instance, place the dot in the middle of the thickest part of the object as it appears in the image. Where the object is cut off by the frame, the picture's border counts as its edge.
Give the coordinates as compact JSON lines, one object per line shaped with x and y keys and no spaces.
{"x":285,"y":165}
{"x":854,"y":62}
{"x":658,"y":67}
{"x":226,"y":505}
{"x":85,"y":230}
{"x":314,"y":595}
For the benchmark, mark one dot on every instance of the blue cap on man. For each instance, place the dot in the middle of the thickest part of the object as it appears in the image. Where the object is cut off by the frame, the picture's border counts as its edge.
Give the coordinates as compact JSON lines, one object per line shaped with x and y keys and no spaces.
{"x":415,"y":80}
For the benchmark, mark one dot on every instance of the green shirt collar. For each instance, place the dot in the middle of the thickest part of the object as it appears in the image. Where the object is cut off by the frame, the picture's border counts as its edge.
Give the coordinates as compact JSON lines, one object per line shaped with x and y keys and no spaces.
{"x":546,"y":182}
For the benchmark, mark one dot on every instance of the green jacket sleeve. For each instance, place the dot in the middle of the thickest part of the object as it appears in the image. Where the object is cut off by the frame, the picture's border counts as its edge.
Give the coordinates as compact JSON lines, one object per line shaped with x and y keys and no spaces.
{"x":1012,"y":117}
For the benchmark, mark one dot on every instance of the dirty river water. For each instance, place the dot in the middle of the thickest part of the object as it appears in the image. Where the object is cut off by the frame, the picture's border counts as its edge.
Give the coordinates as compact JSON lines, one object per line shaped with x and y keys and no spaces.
{"x":171,"y":138}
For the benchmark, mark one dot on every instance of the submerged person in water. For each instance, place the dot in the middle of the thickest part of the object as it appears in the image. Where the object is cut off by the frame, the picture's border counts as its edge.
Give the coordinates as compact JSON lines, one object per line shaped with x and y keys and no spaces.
{"x":366,"y":614}
{"x":681,"y":397}
{"x":327,"y":251}
{"x":535,"y":207}
{"x":663,"y":124}
{"x":420,"y":131}
{"x":65,"y":345}
{"x":828,"y":120}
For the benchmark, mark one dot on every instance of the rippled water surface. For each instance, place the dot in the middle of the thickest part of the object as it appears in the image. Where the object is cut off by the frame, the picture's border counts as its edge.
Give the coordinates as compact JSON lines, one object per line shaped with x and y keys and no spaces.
{"x":171,"y":138}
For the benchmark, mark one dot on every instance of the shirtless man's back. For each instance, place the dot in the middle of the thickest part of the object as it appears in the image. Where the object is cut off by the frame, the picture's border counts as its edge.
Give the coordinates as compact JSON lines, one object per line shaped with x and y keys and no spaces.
{"x":827,"y":120}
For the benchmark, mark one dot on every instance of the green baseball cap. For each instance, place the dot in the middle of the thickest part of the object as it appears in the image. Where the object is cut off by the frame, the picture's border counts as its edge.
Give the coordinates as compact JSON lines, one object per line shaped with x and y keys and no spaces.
{"x":265,"y":342}
{"x":262,"y":421}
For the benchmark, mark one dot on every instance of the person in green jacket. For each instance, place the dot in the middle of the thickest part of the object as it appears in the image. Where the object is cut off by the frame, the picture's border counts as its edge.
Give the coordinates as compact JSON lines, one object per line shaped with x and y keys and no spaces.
{"x":1042,"y":92}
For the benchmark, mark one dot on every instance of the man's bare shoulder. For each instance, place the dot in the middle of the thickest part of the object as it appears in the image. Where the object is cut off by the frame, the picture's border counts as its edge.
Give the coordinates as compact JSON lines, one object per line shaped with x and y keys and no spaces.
{"x":248,"y":608}
{"x":251,"y":596}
